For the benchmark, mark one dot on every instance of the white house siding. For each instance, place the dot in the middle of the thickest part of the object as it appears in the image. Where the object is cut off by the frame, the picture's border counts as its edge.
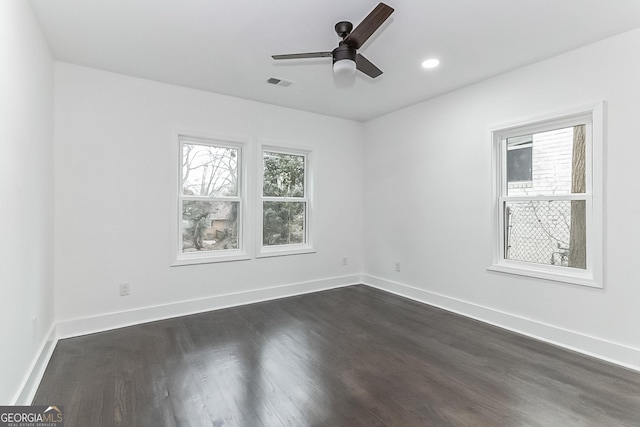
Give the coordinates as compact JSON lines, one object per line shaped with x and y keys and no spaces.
{"x":552,"y":153}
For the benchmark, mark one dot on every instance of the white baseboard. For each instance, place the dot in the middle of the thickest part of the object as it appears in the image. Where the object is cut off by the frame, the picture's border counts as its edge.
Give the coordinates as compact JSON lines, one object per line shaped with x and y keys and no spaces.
{"x":30,"y":384}
{"x":616,"y":353}
{"x":104,"y":322}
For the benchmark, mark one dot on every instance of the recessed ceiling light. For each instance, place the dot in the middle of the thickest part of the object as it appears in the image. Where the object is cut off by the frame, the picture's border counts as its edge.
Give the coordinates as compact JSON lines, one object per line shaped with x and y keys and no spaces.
{"x":430,"y":63}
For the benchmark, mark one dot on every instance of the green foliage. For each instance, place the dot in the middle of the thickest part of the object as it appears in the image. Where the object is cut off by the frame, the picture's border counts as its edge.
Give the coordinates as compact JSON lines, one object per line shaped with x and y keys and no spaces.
{"x":283,"y":222}
{"x":283,"y":175}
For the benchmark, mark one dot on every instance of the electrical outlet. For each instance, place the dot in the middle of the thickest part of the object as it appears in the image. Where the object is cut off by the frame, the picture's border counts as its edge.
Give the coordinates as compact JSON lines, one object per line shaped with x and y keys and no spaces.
{"x":397,"y":266}
{"x":124,"y":289}
{"x":345,"y":261}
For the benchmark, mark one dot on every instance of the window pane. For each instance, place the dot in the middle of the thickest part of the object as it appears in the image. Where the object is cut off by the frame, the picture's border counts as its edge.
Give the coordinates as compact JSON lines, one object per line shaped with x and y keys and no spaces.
{"x":209,"y":171}
{"x":546,"y":232}
{"x":519,"y":159}
{"x":283,"y":175}
{"x":283,"y":223}
{"x":209,"y":226}
{"x":547,"y":163}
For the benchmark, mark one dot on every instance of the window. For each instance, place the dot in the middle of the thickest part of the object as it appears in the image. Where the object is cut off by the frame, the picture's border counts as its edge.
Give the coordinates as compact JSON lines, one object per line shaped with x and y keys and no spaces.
{"x":548,"y":197}
{"x":210,"y":201}
{"x":286,"y":202}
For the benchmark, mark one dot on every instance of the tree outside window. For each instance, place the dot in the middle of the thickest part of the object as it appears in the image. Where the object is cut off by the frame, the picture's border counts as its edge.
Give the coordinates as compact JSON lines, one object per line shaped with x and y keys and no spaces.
{"x":210,"y":197}
{"x":284,"y":205}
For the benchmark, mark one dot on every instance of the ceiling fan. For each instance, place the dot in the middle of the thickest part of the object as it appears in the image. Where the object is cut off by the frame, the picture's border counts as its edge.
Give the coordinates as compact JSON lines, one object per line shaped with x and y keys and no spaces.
{"x":346,"y":59}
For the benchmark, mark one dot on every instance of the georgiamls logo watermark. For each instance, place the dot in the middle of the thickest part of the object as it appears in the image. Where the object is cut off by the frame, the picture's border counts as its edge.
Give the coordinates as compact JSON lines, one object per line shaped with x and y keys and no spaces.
{"x":31,"y":416}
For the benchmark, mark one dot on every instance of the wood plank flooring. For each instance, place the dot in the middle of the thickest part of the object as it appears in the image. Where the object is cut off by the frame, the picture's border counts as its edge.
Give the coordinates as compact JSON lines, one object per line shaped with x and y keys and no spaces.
{"x":353,"y":356}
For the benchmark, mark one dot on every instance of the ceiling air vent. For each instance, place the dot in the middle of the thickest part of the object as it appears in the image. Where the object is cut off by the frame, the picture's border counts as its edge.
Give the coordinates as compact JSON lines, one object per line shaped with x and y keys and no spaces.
{"x":279,"y":82}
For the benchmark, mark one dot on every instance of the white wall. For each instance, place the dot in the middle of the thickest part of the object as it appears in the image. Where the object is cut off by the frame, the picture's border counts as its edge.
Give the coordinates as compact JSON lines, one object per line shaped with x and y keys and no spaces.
{"x":26,"y":191}
{"x":428,"y":201}
{"x":114,"y":198}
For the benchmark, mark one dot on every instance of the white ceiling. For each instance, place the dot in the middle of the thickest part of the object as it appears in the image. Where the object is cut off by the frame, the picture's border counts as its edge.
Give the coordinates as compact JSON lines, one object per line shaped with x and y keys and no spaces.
{"x":225,"y":46}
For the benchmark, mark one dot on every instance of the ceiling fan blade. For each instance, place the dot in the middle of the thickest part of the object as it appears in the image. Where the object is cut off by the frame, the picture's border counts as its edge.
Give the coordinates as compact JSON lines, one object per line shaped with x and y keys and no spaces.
{"x":364,"y":65}
{"x":303,"y":55}
{"x":369,"y":25}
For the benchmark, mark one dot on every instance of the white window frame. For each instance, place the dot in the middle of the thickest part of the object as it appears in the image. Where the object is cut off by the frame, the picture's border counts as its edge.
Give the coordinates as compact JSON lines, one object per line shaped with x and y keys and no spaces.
{"x":179,"y":258}
{"x":281,"y":250}
{"x":593,"y":117}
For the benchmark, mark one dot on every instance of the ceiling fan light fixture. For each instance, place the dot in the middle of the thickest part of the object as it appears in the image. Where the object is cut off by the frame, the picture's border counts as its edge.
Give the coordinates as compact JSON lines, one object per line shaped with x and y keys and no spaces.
{"x":344,"y":68}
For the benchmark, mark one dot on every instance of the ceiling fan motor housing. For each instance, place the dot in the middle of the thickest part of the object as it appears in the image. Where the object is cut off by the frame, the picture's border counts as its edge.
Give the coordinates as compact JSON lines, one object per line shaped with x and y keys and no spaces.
{"x":343,"y":51}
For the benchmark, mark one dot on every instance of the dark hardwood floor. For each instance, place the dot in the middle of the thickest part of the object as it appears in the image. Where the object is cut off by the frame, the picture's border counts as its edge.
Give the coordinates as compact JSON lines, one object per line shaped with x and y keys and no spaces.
{"x":354,"y":356}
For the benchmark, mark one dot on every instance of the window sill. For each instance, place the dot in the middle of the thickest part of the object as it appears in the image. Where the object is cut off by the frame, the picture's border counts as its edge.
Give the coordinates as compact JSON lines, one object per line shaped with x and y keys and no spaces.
{"x":557,"y":274}
{"x":207,"y":258}
{"x":285,"y":250}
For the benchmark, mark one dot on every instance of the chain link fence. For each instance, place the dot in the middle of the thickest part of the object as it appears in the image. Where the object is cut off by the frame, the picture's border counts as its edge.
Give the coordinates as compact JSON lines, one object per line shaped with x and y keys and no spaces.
{"x":538,"y":231}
